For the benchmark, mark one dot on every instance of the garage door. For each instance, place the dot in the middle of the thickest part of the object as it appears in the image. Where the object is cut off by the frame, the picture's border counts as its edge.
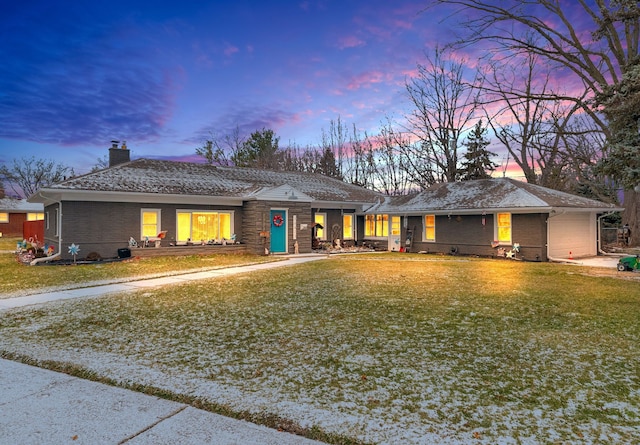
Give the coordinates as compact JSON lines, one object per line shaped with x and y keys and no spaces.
{"x":573,"y":233}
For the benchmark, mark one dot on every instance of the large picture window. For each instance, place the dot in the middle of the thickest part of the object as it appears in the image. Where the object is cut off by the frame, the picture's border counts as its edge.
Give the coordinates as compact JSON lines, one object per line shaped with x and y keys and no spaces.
{"x":376,"y":225}
{"x":503,"y":228}
{"x":199,"y":226}
{"x":430,"y":228}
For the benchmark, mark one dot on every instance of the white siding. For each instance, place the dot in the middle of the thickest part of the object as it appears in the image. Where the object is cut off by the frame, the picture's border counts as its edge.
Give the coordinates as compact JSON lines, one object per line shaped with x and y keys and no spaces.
{"x":572,"y":233}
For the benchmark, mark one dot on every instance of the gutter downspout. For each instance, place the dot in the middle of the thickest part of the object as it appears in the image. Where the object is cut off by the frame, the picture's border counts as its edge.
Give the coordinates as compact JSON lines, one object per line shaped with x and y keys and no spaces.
{"x":55,"y":255}
{"x":549,"y":257}
{"x":600,"y":251}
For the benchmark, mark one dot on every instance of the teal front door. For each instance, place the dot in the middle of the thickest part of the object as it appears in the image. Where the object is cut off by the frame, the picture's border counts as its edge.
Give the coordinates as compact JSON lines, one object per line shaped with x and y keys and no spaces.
{"x":278,"y":231}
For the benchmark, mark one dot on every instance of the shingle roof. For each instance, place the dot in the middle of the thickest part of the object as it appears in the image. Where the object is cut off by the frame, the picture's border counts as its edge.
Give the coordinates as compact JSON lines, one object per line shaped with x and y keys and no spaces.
{"x":182,"y":178}
{"x":483,"y":194}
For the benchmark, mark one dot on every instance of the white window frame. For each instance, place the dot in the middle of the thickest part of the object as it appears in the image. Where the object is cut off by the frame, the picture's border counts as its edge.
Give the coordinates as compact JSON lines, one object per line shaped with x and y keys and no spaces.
{"x":496,"y":228}
{"x":58,"y":218}
{"x":424,"y":232}
{"x":353,"y":224}
{"x":231,"y":214}
{"x":158,"y":213}
{"x":377,"y":235}
{"x":323,"y":231}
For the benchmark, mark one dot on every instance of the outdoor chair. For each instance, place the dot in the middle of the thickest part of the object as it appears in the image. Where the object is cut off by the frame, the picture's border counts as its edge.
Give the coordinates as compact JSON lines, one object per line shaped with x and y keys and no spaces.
{"x":155,"y":239}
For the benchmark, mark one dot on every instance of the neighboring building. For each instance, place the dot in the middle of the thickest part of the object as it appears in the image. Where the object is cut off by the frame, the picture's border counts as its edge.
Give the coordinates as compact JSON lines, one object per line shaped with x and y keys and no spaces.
{"x":15,"y":212}
{"x":288,"y":212}
{"x":198,"y":203}
{"x":488,"y":218}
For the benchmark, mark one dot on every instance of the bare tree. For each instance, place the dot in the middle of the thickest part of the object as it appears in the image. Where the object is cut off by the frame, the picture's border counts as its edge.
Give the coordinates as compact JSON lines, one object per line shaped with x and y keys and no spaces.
{"x":28,"y":175}
{"x":219,"y":150}
{"x":390,"y":169}
{"x":600,"y":62}
{"x":335,"y":140}
{"x":360,"y":164}
{"x":443,"y":104}
{"x":531,"y":120}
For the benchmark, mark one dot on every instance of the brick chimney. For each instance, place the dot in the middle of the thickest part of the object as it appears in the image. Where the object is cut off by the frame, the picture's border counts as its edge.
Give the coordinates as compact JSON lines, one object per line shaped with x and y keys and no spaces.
{"x":118,"y":155}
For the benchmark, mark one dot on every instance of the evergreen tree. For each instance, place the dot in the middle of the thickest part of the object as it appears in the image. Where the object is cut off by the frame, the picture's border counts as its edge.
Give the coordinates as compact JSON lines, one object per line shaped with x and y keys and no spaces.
{"x":260,"y":150}
{"x":477,"y":162}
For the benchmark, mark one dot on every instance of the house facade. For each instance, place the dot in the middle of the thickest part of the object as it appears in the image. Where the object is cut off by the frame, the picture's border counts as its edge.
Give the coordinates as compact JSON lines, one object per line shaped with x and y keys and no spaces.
{"x":177,"y":203}
{"x":165,"y":203}
{"x":15,"y":212}
{"x":491,"y":217}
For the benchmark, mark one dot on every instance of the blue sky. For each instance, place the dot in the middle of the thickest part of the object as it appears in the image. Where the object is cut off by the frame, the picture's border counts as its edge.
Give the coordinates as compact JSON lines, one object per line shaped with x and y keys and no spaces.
{"x":163,"y":76}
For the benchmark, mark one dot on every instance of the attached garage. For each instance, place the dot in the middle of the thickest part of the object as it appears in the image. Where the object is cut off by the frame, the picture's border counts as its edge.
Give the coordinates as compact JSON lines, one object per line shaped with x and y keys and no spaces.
{"x":572,"y":234}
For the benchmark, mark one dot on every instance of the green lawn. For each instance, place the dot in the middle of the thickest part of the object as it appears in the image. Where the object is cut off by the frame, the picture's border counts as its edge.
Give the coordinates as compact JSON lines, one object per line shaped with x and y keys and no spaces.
{"x":371,"y":349}
{"x":17,"y":278}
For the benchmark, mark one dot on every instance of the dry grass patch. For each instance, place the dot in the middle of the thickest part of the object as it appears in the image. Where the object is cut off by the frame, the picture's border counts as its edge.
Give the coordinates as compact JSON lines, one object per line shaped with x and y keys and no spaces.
{"x":378,"y":348}
{"x":19,"y":279}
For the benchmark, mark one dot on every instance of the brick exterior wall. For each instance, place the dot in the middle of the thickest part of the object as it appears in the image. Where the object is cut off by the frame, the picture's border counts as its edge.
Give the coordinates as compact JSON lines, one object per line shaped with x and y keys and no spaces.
{"x":334,"y":224}
{"x":257,"y":219}
{"x":14,"y":226}
{"x":110,"y":225}
{"x":466,"y":235}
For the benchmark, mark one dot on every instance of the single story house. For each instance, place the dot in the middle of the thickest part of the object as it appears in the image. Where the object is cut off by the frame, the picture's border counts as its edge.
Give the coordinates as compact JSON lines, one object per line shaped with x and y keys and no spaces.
{"x":15,"y":212}
{"x":490,"y":217}
{"x":171,"y":203}
{"x":178,"y":203}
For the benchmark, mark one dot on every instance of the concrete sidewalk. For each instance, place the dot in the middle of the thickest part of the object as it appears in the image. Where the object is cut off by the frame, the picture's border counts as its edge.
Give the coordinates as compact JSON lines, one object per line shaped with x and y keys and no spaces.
{"x":39,"y":406}
{"x":44,"y":407}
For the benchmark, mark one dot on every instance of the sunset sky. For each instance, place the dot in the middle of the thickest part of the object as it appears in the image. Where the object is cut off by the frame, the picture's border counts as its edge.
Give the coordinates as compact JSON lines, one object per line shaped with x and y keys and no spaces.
{"x":163,"y":76}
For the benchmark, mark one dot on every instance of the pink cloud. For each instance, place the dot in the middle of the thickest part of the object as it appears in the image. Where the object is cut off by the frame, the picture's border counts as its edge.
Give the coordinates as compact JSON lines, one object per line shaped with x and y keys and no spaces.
{"x":366,"y":79}
{"x":350,"y":42}
{"x":230,"y":50}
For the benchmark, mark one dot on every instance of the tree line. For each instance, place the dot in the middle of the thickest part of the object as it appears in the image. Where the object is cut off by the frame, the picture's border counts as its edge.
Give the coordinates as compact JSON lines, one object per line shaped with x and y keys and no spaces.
{"x":583,"y":140}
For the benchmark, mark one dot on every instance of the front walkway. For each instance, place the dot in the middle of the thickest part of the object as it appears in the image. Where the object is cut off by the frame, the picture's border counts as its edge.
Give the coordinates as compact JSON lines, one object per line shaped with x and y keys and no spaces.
{"x":96,"y":291}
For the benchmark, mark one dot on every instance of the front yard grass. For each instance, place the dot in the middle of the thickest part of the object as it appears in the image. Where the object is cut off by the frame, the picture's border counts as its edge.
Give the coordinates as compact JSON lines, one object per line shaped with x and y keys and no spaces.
{"x":17,"y":278}
{"x":371,"y":349}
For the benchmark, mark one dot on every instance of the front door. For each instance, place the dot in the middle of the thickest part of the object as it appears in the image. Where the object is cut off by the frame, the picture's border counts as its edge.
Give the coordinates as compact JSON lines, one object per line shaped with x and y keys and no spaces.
{"x":394,"y":234}
{"x":278,"y":231}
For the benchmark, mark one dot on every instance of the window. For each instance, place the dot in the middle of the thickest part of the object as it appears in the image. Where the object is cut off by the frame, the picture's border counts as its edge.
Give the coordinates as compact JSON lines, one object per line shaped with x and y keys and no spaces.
{"x":150,"y":223}
{"x":503,"y":228}
{"x":35,"y":216}
{"x":56,"y":221}
{"x":430,"y":228}
{"x":347,"y":226}
{"x":376,"y":225}
{"x":198,"y":225}
{"x":320,"y":218}
{"x":395,"y":225}
{"x":4,"y":217}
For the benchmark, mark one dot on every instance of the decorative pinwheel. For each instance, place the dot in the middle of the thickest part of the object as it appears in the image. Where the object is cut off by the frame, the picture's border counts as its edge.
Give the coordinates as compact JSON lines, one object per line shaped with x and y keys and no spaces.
{"x":73,"y":250}
{"x":516,"y":247}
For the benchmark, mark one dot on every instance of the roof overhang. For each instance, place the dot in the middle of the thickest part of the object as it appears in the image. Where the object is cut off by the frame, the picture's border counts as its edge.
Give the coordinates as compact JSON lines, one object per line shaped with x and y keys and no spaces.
{"x":51,"y":196}
{"x":518,"y":210}
{"x":357,"y":206}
